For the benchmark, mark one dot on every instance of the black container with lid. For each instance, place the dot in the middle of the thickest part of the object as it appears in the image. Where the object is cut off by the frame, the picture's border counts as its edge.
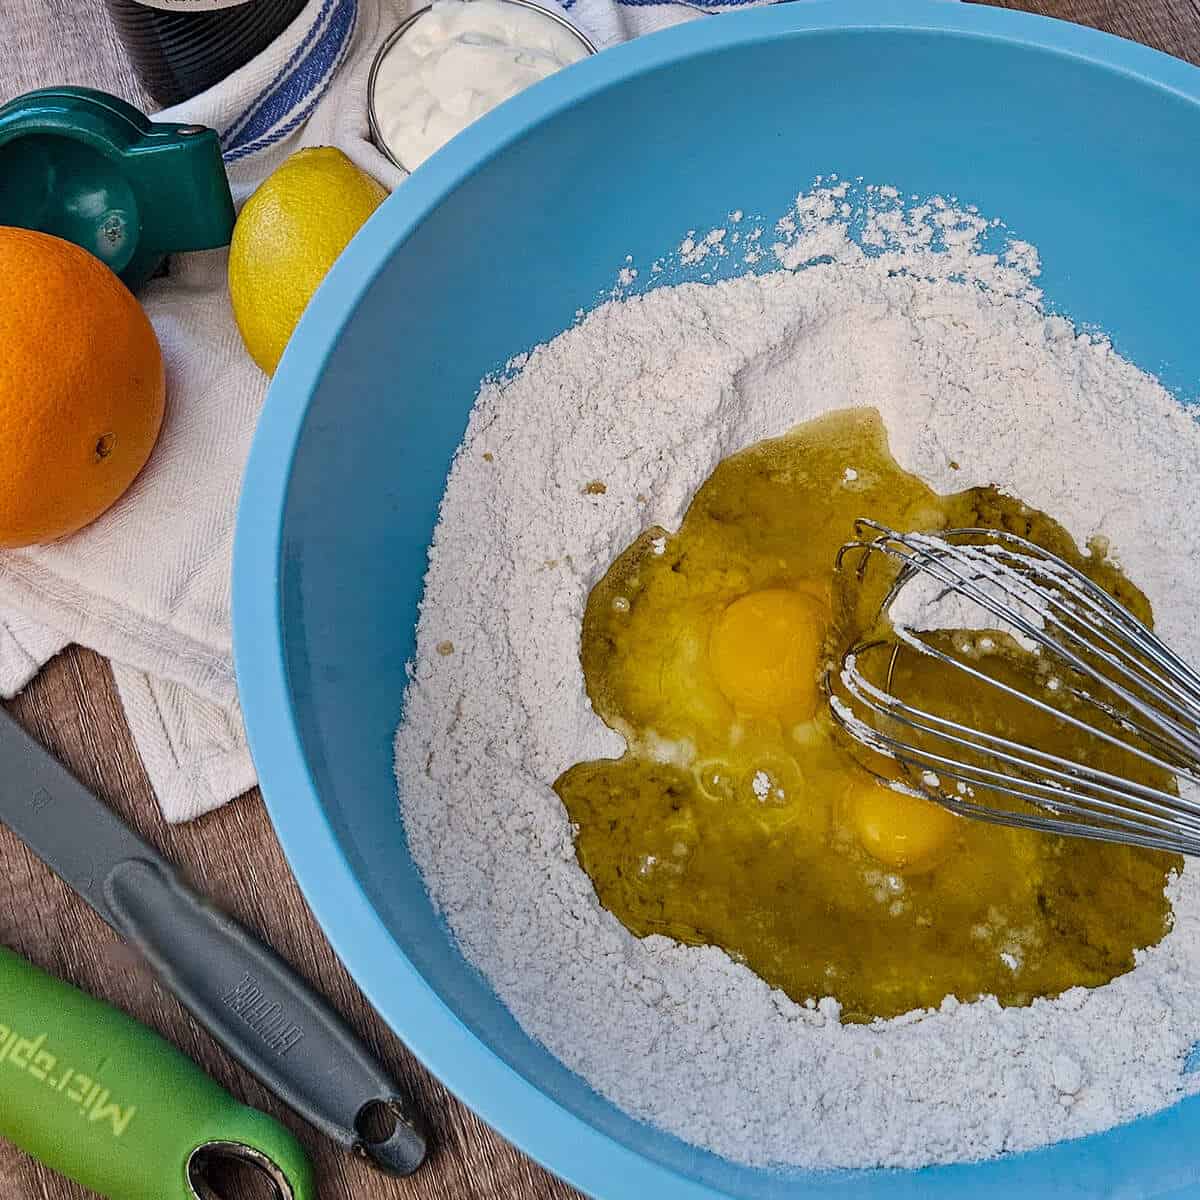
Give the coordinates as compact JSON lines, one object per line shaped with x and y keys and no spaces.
{"x":180,"y":47}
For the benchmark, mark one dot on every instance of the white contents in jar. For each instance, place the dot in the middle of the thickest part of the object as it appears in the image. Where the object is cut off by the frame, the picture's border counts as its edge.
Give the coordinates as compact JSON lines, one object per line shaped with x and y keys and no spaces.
{"x":458,"y":61}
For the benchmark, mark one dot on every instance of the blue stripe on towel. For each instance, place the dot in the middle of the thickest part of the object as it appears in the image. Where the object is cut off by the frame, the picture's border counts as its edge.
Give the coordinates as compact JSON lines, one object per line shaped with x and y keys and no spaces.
{"x":265,"y":94}
{"x":296,"y":90}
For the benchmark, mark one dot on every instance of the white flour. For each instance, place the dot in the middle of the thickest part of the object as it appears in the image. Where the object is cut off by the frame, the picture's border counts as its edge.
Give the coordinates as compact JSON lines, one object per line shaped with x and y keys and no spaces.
{"x":647,"y":395}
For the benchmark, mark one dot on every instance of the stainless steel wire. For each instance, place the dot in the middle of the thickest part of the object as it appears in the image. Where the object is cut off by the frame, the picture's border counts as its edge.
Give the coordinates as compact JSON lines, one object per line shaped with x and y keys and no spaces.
{"x":1116,"y":681}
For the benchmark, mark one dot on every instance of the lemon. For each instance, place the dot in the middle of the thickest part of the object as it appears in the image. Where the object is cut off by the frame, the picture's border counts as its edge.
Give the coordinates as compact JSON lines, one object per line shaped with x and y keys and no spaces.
{"x":286,"y":239}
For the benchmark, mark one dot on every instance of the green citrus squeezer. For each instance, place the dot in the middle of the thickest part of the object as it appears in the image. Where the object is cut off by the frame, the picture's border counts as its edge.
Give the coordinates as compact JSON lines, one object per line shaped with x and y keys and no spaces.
{"x":87,"y":167}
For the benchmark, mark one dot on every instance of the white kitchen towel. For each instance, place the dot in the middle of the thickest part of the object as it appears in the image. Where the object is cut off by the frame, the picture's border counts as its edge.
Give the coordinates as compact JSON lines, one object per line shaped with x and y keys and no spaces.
{"x":148,"y":584}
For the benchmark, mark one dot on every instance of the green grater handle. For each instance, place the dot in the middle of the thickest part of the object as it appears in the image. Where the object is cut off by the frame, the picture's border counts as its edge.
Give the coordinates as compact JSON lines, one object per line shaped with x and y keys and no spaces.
{"x":106,"y":1101}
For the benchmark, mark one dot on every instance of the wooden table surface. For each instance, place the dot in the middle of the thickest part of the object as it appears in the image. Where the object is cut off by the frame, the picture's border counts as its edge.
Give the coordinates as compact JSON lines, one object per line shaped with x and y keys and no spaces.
{"x":232,"y":854}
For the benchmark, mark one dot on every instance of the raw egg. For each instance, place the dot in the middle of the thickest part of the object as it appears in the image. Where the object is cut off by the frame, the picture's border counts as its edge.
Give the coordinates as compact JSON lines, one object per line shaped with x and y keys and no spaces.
{"x":738,"y":816}
{"x":905,"y":832}
{"x":765,"y":652}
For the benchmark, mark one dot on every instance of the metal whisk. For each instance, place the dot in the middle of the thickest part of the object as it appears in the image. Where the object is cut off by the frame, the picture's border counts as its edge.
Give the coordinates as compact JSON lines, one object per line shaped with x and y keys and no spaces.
{"x":1103,"y":673}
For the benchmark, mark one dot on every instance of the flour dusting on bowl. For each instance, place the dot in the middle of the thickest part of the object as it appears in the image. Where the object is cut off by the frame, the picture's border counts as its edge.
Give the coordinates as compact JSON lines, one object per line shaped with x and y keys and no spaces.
{"x":926,"y":312}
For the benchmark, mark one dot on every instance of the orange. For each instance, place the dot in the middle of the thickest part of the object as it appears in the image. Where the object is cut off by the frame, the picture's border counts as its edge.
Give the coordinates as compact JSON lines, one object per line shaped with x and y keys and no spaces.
{"x":82,"y":388}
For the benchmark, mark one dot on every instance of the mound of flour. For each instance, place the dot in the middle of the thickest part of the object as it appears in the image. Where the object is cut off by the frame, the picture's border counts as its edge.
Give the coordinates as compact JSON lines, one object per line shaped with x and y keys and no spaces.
{"x":904,"y":311}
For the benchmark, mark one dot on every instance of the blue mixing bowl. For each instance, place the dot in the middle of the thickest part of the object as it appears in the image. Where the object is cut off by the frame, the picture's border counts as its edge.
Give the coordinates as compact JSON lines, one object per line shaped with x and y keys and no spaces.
{"x":1086,"y":145}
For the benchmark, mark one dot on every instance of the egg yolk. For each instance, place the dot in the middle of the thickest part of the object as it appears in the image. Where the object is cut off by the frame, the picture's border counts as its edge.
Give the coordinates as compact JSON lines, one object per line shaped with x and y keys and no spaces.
{"x":736,"y":818}
{"x":765,"y":651}
{"x":904,"y":832}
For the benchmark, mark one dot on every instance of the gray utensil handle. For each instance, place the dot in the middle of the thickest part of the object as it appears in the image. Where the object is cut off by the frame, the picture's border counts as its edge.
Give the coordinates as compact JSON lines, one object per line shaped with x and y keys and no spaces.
{"x":260,"y":1010}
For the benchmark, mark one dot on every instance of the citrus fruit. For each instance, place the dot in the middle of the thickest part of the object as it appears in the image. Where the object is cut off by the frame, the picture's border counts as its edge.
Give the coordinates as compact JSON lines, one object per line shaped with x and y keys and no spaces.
{"x":82,"y":387}
{"x":286,"y":238}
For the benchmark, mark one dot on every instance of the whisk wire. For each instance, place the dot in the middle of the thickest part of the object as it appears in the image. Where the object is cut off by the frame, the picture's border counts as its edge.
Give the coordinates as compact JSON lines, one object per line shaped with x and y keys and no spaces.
{"x":957,"y":567}
{"x":946,"y":569}
{"x":1118,"y":656}
{"x":1049,"y":765}
{"x":1103,"y":602}
{"x":1021,"y":555}
{"x":1132,"y":831}
{"x":1151,"y":831}
{"x":1144,"y":699}
{"x":1057,"y":712}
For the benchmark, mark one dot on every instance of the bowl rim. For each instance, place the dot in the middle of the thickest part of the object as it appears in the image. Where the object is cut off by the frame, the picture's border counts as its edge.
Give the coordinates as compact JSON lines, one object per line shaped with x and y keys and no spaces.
{"x":565,"y":1144}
